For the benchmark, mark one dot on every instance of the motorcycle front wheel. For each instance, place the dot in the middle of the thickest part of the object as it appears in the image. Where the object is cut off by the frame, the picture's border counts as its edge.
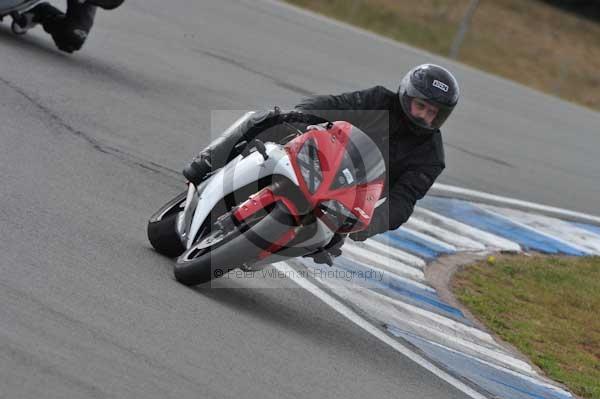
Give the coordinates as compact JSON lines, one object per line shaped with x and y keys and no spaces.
{"x":225,"y":249}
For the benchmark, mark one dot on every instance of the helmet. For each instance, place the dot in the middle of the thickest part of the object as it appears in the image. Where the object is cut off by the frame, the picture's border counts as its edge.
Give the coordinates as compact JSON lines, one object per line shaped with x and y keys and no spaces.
{"x":436,"y":86}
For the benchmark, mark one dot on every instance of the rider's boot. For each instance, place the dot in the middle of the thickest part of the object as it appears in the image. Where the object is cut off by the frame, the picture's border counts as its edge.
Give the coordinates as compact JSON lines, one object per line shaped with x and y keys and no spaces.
{"x":69,"y":30}
{"x":330,"y":251}
{"x":31,"y":18}
{"x":229,"y":145}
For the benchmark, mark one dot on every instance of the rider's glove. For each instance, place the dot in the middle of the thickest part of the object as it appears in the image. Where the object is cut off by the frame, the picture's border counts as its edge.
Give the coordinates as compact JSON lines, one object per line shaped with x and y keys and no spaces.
{"x":360,"y":235}
{"x":332,"y":250}
{"x":379,"y":224}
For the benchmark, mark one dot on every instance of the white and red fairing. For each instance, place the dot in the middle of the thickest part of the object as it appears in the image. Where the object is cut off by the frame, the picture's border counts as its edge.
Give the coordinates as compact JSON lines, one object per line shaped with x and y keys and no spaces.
{"x":331,"y":159}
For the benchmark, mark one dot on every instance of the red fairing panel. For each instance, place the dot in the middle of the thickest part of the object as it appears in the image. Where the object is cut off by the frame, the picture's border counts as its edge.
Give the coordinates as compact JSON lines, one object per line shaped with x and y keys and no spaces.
{"x":255,"y":203}
{"x":359,"y":199}
{"x":261,"y":200}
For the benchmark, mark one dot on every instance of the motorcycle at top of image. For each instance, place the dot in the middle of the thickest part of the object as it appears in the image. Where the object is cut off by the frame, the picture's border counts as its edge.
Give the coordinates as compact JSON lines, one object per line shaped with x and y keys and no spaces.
{"x":273,"y":202}
{"x":15,"y":9}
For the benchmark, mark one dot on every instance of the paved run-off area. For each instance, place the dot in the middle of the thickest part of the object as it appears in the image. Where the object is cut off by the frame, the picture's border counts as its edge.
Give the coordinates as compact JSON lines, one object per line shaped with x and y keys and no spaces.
{"x":92,"y":144}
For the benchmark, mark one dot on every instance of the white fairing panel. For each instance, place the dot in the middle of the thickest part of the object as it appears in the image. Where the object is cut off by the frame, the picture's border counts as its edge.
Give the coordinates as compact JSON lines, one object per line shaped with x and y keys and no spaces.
{"x":238,"y":173}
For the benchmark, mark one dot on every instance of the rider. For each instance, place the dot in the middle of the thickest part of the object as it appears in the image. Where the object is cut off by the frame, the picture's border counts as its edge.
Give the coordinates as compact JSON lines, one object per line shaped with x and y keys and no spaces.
{"x":404,"y":125}
{"x":69,"y":30}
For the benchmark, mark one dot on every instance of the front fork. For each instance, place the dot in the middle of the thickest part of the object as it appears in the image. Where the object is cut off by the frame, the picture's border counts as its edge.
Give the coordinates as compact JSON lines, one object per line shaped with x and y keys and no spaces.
{"x":184,"y":220}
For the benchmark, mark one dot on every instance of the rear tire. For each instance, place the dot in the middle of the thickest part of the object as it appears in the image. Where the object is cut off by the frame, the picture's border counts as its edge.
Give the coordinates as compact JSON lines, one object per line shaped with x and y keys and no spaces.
{"x":162,"y":231}
{"x":164,"y":238}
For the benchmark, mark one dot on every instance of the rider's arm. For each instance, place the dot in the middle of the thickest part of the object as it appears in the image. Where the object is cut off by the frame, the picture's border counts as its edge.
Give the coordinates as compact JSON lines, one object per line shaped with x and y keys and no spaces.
{"x":367,"y":99}
{"x":416,"y":175}
{"x":410,"y":187}
{"x":366,"y":109}
{"x":264,"y":125}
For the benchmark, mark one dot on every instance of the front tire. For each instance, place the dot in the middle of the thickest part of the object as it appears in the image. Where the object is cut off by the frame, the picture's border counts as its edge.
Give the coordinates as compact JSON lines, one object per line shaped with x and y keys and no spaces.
{"x":234,"y":248}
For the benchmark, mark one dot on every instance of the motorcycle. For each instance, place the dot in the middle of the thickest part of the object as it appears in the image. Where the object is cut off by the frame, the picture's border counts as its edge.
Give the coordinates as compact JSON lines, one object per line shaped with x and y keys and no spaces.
{"x":272,"y":202}
{"x":15,"y":9}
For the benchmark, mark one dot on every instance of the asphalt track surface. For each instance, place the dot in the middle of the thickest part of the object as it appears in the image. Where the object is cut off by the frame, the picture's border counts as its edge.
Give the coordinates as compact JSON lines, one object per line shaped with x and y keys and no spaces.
{"x":92,"y":144}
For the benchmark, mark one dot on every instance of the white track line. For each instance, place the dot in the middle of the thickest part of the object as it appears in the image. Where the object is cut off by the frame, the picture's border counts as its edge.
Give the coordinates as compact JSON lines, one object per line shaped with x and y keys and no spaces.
{"x":372,"y":259}
{"x":529,"y":378}
{"x":429,"y":239}
{"x":425,"y":316}
{"x":371,"y":329}
{"x":490,"y":199}
{"x":491,"y":240}
{"x":535,"y":230}
{"x":394,"y":253}
{"x":397,"y":277}
{"x":459,"y":241}
{"x":552,"y":226}
{"x":390,"y":312}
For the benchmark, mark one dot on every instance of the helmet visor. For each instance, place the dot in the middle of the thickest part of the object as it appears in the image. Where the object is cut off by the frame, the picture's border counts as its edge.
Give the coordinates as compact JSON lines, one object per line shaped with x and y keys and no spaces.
{"x":423,"y":112}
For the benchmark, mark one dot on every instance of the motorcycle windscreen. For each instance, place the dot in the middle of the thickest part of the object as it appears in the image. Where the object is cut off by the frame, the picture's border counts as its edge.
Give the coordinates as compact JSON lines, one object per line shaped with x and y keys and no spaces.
{"x":362,"y":162}
{"x":357,"y":185}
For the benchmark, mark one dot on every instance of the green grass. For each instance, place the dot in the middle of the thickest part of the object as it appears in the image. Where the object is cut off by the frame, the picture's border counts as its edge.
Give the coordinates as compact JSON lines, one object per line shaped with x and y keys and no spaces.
{"x":548,"y":307}
{"x":383,"y":20}
{"x":527,"y":41}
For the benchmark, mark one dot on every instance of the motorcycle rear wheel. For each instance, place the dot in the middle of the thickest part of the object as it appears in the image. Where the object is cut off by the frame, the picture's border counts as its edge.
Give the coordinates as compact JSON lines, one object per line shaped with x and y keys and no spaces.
{"x":162,"y":232}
